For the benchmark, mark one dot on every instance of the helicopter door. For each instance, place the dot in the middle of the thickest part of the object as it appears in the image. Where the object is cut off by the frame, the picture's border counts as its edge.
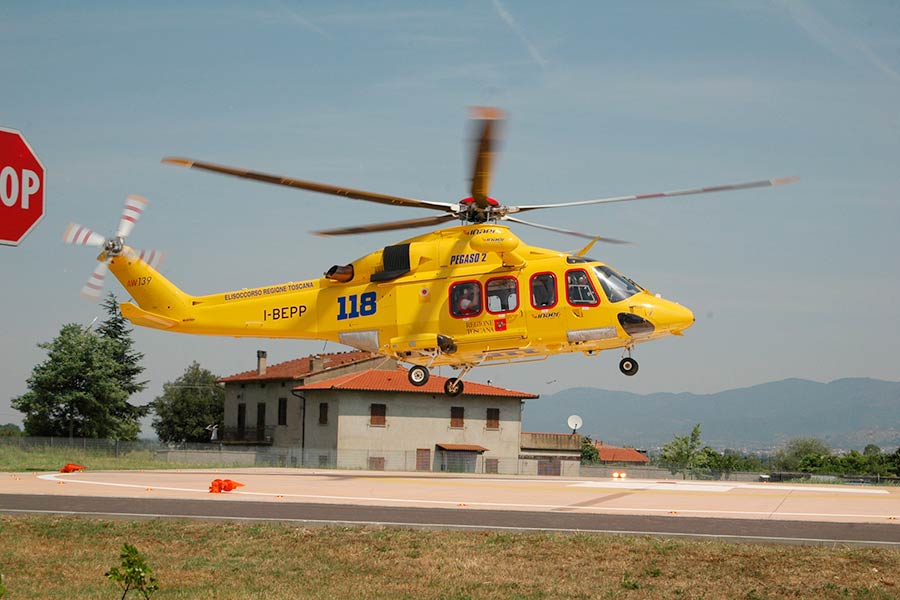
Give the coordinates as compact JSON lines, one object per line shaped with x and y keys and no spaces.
{"x":504,"y":305}
{"x":489,"y":316}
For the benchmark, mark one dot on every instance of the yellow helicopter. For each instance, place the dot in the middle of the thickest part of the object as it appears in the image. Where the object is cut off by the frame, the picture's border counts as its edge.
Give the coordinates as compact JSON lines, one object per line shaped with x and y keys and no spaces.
{"x":465,"y":296}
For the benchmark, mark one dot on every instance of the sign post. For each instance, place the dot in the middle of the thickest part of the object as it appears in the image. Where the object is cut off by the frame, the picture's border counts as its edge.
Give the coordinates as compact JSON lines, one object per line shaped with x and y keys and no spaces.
{"x":22,"y":186}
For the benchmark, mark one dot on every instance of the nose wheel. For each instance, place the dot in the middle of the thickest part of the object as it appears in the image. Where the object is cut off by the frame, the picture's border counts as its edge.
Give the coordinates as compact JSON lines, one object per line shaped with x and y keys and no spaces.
{"x":628,"y":366}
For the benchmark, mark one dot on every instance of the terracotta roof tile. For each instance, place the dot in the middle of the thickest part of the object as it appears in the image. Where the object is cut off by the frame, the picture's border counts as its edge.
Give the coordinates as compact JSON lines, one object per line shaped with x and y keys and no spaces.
{"x":300,"y":367}
{"x":374,"y":380}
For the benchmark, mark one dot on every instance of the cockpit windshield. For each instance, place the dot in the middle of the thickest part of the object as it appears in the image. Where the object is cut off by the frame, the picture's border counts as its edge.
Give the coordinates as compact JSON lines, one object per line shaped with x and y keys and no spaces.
{"x":615,"y":286}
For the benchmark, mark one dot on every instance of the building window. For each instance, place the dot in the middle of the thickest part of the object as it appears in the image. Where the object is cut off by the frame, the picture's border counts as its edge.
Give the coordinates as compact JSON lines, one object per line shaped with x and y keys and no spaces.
{"x":282,"y":411}
{"x":323,"y":413}
{"x":493,"y":418}
{"x":378,"y":415}
{"x":241,"y":419}
{"x":492,"y":465}
{"x":260,"y":420}
{"x":457,"y":416}
{"x":376,"y":463}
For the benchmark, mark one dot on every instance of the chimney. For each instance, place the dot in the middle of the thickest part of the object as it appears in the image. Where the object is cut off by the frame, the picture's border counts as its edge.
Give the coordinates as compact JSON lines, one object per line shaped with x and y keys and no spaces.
{"x":260,"y":362}
{"x":316,"y":363}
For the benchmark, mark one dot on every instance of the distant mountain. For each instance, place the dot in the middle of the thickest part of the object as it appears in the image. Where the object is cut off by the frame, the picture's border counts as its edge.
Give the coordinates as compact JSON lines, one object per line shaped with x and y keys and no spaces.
{"x":846,"y":413}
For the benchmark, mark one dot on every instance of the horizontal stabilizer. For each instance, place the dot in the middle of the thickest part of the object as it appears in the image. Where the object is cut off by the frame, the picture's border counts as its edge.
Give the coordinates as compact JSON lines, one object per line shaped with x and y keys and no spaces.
{"x":146,"y":319}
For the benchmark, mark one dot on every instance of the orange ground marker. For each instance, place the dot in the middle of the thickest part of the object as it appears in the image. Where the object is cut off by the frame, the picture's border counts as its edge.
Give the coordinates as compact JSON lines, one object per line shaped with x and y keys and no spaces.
{"x":223,"y":485}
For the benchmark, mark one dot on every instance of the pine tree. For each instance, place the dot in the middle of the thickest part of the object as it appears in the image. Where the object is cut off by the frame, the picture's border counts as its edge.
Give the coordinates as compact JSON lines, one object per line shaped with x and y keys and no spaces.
{"x":188,"y":405}
{"x":115,"y":328}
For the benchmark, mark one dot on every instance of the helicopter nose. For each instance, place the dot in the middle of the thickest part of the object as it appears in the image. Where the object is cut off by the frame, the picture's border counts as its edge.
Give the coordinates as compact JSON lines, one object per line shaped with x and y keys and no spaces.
{"x":672,"y":317}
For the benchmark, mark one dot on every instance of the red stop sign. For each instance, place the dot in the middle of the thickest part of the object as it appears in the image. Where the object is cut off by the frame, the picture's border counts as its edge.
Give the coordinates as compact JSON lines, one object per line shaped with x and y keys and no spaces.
{"x":21,"y":187}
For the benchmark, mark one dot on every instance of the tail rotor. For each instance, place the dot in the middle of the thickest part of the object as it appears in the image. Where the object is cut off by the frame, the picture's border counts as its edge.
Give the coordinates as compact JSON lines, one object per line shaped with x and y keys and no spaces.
{"x":79,"y":235}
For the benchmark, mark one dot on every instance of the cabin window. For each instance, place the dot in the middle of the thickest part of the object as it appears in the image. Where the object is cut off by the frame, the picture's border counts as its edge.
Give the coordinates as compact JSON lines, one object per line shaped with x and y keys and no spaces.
{"x":543,"y":290}
{"x":579,"y":289}
{"x":502,"y":295}
{"x":465,"y":299}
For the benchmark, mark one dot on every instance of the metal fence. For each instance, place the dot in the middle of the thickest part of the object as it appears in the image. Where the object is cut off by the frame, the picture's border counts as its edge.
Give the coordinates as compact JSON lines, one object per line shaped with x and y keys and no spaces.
{"x":224,"y":455}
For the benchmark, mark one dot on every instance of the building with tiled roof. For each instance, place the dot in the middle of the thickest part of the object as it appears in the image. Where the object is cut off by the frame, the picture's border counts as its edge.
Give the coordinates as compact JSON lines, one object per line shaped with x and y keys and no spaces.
{"x":359,"y":410}
{"x":615,"y":454}
{"x":259,"y":405}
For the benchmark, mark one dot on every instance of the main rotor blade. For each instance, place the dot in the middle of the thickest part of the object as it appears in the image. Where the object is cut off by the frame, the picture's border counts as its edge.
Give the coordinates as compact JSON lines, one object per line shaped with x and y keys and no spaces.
{"x":485,"y":151}
{"x":705,"y":190}
{"x":79,"y":235}
{"x":568,"y":231}
{"x":312,"y":186}
{"x":409,"y":224}
{"x":134,"y":207}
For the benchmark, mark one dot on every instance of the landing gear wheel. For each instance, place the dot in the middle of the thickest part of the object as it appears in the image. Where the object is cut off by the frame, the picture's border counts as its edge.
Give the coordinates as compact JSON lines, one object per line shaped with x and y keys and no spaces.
{"x":628,"y":366}
{"x":418,"y":375}
{"x":453,"y":387}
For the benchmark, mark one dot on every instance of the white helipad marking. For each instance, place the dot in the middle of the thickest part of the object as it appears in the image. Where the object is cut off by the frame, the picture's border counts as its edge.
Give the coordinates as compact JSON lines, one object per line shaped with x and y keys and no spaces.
{"x":655,"y":485}
{"x":698,"y":486}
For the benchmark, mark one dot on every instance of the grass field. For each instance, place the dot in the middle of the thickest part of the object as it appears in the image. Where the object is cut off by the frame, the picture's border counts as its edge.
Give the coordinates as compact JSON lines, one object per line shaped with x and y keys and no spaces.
{"x":46,"y":458}
{"x":48,"y":557}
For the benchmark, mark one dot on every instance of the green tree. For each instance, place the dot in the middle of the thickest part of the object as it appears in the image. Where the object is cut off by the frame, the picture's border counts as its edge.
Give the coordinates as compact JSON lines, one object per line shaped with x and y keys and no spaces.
{"x":10,"y":430}
{"x":78,"y":391}
{"x":188,"y":405}
{"x":589,"y":453}
{"x":789,"y":457}
{"x":871,"y":450}
{"x":682,"y":453}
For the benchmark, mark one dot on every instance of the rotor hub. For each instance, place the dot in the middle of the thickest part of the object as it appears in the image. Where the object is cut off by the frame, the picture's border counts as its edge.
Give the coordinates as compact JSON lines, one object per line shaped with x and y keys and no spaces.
{"x":114,"y":246}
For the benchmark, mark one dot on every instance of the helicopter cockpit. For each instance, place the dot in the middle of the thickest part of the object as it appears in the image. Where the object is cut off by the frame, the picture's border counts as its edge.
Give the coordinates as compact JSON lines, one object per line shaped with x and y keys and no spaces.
{"x":615,"y":286}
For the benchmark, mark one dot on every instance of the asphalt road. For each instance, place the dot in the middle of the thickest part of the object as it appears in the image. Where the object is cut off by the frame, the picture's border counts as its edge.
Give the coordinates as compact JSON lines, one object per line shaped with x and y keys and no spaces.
{"x":315,"y":514}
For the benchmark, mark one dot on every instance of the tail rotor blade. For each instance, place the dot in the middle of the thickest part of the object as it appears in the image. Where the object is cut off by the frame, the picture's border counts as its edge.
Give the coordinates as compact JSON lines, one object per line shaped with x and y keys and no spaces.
{"x":80,"y":235}
{"x":94,"y":286}
{"x":154,"y":258}
{"x":134,"y":207}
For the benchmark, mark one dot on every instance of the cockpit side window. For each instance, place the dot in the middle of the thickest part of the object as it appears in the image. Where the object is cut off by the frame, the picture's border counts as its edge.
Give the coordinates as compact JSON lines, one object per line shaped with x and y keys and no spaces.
{"x":543,"y":290}
{"x":579,"y":289}
{"x":615,"y":286}
{"x":465,"y":299}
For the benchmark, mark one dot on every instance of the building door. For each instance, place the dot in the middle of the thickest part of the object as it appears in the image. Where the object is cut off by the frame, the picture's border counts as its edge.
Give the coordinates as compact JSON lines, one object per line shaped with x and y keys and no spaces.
{"x":549,"y":466}
{"x":423,"y":459}
{"x":458,"y":461}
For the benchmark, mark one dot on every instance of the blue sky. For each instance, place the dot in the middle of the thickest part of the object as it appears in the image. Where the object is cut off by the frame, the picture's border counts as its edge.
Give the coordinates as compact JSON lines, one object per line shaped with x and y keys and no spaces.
{"x":603,"y":99}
